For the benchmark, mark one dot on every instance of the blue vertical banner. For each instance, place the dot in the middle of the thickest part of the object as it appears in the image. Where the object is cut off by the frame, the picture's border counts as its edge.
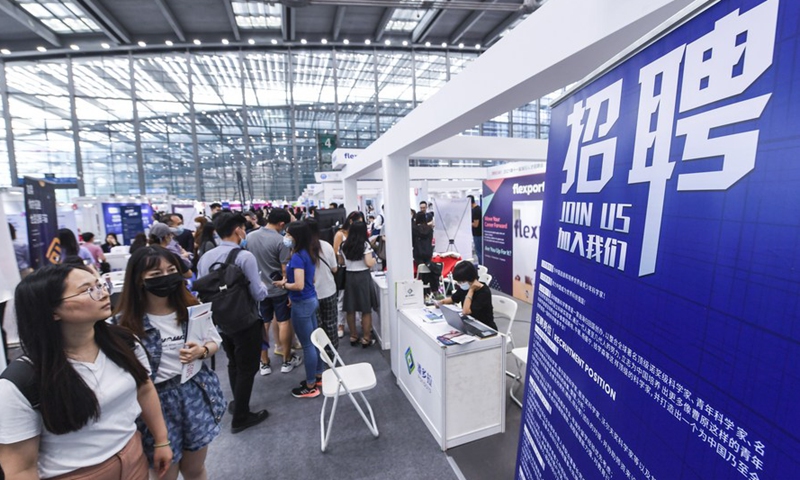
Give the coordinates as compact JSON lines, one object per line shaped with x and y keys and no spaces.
{"x":512,"y":214}
{"x":666,"y":340}
{"x":42,"y":222}
{"x":131,"y":222}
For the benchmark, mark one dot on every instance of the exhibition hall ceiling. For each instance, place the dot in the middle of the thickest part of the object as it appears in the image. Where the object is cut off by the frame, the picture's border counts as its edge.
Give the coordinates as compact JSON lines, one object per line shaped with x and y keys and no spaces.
{"x":44,"y":27}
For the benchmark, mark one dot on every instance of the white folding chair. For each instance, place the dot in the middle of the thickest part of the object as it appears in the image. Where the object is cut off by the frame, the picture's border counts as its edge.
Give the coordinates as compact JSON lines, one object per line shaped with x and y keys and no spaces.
{"x":506,"y":307}
{"x":349,"y":379}
{"x":521,"y":357}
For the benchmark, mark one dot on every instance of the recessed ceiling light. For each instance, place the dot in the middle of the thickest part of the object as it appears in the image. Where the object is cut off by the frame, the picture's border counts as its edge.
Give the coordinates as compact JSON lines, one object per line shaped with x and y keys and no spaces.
{"x":74,"y":47}
{"x":274,"y":41}
{"x":196,"y":41}
{"x":324,"y":41}
{"x":367,"y":41}
{"x":303,"y":41}
{"x":460,"y":45}
{"x":5,"y":51}
{"x":168,"y":43}
{"x":405,"y":43}
{"x":105,"y":45}
{"x":444,"y":44}
{"x":387,"y":42}
{"x":251,"y":42}
{"x":346,"y":41}
{"x":224,"y":41}
{"x":41,"y":49}
{"x":477,"y":45}
{"x":142,"y":44}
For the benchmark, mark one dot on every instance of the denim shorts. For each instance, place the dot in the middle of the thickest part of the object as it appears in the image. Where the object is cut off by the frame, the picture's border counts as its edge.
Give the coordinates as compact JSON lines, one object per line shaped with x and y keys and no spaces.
{"x":192,"y":412}
{"x":277,"y":306}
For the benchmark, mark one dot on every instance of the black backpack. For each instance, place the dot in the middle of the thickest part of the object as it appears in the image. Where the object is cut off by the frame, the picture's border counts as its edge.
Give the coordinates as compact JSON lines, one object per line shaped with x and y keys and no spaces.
{"x":226,"y":288}
{"x":21,"y":373}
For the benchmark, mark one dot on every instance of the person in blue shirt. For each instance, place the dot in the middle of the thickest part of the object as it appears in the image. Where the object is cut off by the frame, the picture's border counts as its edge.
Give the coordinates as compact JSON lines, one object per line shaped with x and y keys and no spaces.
{"x":299,"y":282}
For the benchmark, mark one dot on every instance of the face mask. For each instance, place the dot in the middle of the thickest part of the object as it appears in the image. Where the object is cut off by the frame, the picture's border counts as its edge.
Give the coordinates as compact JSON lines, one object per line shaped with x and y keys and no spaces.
{"x":288,"y":242}
{"x":163,"y":286}
{"x":177,"y":230}
{"x":197,"y":226}
{"x":243,"y":243}
{"x":464,"y":286}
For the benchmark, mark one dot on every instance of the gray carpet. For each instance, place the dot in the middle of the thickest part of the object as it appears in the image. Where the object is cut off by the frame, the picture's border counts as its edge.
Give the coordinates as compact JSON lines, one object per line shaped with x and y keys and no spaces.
{"x":287,"y":444}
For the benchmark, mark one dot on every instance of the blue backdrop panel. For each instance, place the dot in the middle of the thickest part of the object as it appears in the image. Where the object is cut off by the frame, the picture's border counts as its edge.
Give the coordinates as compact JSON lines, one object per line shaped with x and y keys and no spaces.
{"x":665,"y":324}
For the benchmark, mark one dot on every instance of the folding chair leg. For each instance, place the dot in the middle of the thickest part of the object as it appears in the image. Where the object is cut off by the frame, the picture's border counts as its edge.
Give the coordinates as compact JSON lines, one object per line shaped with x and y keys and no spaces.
{"x":325,"y":435}
{"x":515,"y":384}
{"x":371,"y":424}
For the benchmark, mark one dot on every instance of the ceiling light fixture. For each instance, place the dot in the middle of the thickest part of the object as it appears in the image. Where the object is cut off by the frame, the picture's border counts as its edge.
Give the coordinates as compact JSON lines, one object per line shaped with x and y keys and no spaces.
{"x":324,"y":41}
{"x":5,"y":51}
{"x":41,"y":49}
{"x":387,"y":42}
{"x":105,"y":45}
{"x":74,"y":47}
{"x":196,"y":41}
{"x":444,"y":44}
{"x":251,"y":42}
{"x":460,"y":45}
{"x":405,"y":43}
{"x":142,"y":44}
{"x":478,"y":46}
{"x":346,"y":41}
{"x":367,"y":41}
{"x":168,"y":43}
{"x":427,"y":44}
{"x":225,"y":41}
{"x":303,"y":41}
{"x":274,"y":42}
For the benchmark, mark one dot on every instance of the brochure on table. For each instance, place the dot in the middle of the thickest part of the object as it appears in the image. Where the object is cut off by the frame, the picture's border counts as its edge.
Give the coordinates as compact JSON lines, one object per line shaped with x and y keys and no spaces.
{"x":665,"y":340}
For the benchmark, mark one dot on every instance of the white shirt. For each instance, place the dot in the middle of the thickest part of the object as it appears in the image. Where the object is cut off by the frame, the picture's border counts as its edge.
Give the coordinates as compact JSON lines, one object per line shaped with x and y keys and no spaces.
{"x":98,"y":440}
{"x":324,"y":283}
{"x":172,"y":340}
{"x":358,"y":265}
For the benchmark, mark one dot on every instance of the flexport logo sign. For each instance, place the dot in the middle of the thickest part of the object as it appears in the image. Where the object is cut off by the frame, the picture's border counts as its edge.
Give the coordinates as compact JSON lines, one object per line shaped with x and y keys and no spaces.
{"x":529,"y":189}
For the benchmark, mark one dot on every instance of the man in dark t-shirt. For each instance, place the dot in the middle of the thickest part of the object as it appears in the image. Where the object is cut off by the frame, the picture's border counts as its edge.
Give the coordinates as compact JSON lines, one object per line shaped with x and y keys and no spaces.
{"x":477,"y":228}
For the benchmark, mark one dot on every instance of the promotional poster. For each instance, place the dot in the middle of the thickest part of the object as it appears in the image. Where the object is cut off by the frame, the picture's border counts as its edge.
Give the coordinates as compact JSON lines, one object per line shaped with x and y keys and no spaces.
{"x":512,"y":214}
{"x":665,"y":323}
{"x":42,"y":222}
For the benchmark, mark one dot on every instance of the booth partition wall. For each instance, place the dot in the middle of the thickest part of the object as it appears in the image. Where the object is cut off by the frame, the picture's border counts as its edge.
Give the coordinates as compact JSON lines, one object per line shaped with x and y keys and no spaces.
{"x":202,"y":124}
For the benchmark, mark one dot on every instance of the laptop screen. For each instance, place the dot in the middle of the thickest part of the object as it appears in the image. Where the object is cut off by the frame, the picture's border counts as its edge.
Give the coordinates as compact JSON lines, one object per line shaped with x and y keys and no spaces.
{"x":452,"y":316}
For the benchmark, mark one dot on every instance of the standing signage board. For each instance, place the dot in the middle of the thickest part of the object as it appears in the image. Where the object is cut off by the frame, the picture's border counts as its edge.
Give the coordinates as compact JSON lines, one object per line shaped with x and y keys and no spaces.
{"x":131,"y":222}
{"x":42,"y":222}
{"x":665,"y":340}
{"x":512,"y":214}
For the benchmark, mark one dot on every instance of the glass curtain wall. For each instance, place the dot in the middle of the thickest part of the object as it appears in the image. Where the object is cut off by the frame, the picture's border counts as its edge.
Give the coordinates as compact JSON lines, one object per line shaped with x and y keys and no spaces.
{"x":217,"y":125}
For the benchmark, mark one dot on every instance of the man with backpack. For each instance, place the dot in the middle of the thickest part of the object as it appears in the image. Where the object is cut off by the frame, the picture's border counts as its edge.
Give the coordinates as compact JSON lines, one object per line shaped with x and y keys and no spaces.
{"x":234,"y":311}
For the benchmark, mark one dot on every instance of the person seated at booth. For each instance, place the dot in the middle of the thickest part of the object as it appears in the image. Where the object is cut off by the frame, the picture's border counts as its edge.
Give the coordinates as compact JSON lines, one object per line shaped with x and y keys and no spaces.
{"x":474,"y":296}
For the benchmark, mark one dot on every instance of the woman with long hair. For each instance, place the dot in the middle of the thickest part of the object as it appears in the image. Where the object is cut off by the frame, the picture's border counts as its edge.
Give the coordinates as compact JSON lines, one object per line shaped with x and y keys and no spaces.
{"x":111,"y":242}
{"x":299,"y":282}
{"x":359,"y":296}
{"x":205,"y":240}
{"x":338,"y":239}
{"x":199,"y":223}
{"x":324,"y":282}
{"x":71,"y":252}
{"x":154,"y":306}
{"x":89,"y":384}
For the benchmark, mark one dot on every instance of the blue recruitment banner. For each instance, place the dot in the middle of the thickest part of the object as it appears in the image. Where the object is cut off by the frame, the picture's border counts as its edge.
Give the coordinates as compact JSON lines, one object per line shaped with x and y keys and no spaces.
{"x":665,"y":339}
{"x":42,"y":222}
{"x":131,"y":222}
{"x":147,"y":215}
{"x":512,"y":213}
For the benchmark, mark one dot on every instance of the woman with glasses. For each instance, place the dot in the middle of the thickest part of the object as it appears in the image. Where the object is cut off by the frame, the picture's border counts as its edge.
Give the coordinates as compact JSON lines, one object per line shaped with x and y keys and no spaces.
{"x":71,"y":410}
{"x":154,"y":306}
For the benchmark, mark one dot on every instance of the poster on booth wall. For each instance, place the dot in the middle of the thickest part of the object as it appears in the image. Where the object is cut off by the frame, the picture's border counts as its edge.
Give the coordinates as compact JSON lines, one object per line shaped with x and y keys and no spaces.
{"x":512,"y":213}
{"x":42,"y":222}
{"x":131,"y":222}
{"x":665,"y":340}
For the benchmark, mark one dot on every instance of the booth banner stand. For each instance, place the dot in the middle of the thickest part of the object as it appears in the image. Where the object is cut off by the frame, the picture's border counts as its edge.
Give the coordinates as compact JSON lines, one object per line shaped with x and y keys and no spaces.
{"x":512,"y":215}
{"x":42,"y":222}
{"x":666,"y":321}
{"x":453,"y":230}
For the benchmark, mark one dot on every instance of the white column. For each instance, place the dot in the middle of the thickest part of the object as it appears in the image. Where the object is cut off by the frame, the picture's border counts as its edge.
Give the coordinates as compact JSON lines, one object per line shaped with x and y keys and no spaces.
{"x":350,"y":186}
{"x":398,"y":238}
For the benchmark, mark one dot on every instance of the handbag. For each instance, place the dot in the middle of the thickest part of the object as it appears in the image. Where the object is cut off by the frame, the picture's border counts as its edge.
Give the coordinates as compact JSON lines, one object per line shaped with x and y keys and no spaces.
{"x":340,"y":277}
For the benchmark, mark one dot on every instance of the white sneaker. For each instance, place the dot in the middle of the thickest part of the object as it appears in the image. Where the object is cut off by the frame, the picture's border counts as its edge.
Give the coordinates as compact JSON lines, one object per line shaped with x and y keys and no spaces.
{"x":265,"y":369}
{"x":340,"y":332}
{"x":287,"y":367}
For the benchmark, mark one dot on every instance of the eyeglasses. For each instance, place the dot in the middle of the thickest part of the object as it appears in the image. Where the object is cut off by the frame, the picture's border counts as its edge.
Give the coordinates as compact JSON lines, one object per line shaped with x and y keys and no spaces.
{"x":96,"y":293}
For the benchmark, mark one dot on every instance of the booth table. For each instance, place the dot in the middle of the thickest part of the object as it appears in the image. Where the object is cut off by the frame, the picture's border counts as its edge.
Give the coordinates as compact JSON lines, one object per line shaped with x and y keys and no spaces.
{"x":458,"y":390}
{"x":381,"y":323}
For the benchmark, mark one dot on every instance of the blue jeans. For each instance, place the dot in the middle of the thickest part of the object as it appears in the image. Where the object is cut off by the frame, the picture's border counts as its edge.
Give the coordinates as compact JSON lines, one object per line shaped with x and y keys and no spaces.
{"x":304,"y":321}
{"x":479,"y":248}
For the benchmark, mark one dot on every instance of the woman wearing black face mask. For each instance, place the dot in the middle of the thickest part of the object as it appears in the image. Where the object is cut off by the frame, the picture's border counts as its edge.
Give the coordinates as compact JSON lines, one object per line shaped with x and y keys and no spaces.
{"x":154,"y":306}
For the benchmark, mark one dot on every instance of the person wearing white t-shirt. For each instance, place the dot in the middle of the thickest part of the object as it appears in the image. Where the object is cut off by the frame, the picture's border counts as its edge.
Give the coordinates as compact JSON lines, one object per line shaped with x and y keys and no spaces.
{"x":88,"y":382}
{"x":154,"y":306}
{"x":359,"y":295}
{"x":324,"y":283}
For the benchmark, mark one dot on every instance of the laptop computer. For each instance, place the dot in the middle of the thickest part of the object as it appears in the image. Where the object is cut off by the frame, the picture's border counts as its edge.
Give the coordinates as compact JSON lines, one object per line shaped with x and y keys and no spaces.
{"x":465,"y":323}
